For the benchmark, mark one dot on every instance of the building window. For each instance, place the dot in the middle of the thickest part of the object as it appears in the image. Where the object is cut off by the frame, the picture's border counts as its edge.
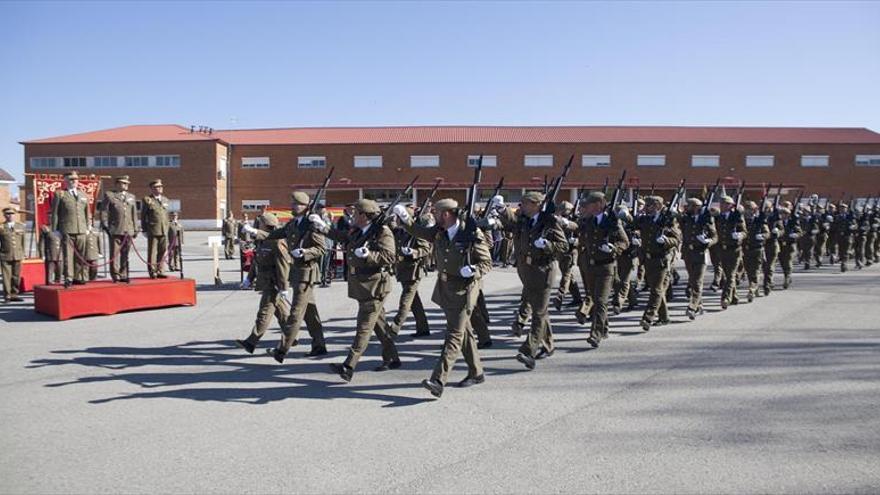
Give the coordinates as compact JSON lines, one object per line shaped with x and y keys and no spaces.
{"x":43,"y":162}
{"x":382,"y":195}
{"x":488,"y":161}
{"x":867,"y":160}
{"x":255,"y":162}
{"x":311,"y":162}
{"x":651,"y":161}
{"x":759,"y":161}
{"x":705,"y":161}
{"x":137,"y":161}
{"x":106,"y":161}
{"x":419,"y":161}
{"x":538,"y":161}
{"x":74,"y":161}
{"x":174,"y":205}
{"x":368,"y":161}
{"x":596,"y":160}
{"x":168,"y":161}
{"x":254,"y":204}
{"x":814,"y":161}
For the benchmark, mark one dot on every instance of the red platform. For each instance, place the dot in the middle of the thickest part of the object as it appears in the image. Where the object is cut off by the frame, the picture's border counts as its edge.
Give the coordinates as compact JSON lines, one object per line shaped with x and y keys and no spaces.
{"x":33,"y":273}
{"x":107,"y":298}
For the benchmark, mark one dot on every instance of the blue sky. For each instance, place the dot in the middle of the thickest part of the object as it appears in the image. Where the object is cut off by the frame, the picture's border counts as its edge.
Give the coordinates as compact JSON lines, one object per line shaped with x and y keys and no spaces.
{"x":70,"y":67}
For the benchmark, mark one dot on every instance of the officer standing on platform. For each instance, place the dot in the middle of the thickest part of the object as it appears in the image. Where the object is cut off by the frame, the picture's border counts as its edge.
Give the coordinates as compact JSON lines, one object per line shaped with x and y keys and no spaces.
{"x":119,"y":220}
{"x":154,"y":223}
{"x":175,"y":243}
{"x":71,"y":219}
{"x":11,"y":254}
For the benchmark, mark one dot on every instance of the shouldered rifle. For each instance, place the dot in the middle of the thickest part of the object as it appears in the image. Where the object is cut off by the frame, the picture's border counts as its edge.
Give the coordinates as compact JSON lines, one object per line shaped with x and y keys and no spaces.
{"x":671,"y":208}
{"x":605,"y":187}
{"x":548,"y":207}
{"x":707,"y":204}
{"x":382,"y":218}
{"x":428,"y":198}
{"x":635,"y":201}
{"x":546,"y":185}
{"x":497,"y":191}
{"x":739,"y":194}
{"x":652,"y":189}
{"x":796,"y":207}
{"x":615,"y":198}
{"x":470,"y":222}
{"x":305,"y":223}
{"x":761,"y":219}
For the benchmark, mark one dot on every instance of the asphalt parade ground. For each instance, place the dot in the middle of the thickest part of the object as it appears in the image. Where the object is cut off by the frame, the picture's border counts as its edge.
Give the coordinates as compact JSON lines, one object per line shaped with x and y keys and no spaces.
{"x":779,"y":395}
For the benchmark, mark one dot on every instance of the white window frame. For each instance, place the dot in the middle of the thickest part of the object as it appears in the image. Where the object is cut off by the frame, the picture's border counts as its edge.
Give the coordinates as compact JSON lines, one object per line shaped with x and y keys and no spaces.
{"x":488,"y":161}
{"x":44,"y":162}
{"x":309,"y":161}
{"x":424,"y":161}
{"x":174,"y":161}
{"x":368,"y":161}
{"x":132,"y":158}
{"x":538,"y":160}
{"x":174,"y":205}
{"x":249,"y":205}
{"x":760,"y":160}
{"x":601,"y":161}
{"x":820,"y":161}
{"x":867,"y":161}
{"x":701,"y":161}
{"x":85,"y":161}
{"x":255,"y":162}
{"x":651,"y":161}
{"x":112,"y":161}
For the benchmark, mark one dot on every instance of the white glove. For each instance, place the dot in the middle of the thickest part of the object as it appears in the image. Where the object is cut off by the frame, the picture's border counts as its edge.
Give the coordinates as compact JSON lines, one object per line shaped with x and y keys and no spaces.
{"x":702,"y":238}
{"x":829,"y":218}
{"x":814,"y":231}
{"x":605,"y":248}
{"x":737,"y":235}
{"x":245,"y":284}
{"x":317,"y":221}
{"x":296,"y":253}
{"x":407,"y":251}
{"x":573,"y":241}
{"x":249,"y":229}
{"x":636,"y":241}
{"x":662,"y":239}
{"x":775,"y":231}
{"x":563,"y":222}
{"x":497,"y":202}
{"x":361,"y":252}
{"x":759,"y":237}
{"x":400,"y":212}
{"x":793,"y":235}
{"x":491,"y":222}
{"x":852,"y":227}
{"x":540,"y":243}
{"x":467,"y":271}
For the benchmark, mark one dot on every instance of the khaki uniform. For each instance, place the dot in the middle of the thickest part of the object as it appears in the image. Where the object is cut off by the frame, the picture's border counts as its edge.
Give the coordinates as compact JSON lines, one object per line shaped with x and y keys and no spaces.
{"x":50,"y":249}
{"x":771,"y":251}
{"x":93,"y":253}
{"x":119,"y":220}
{"x":627,"y":262}
{"x":693,"y":252}
{"x":456,"y":295}
{"x":304,"y":273}
{"x":11,"y":256}
{"x":272,"y":261}
{"x":229,"y":234}
{"x":844,"y":227}
{"x":409,"y":272}
{"x":72,"y":218}
{"x":657,"y":260}
{"x":535,"y":269}
{"x":731,"y":252}
{"x":753,"y":252}
{"x":788,"y":240}
{"x":812,"y":225}
{"x":567,"y":266}
{"x":597,"y":268}
{"x":369,"y":282}
{"x":175,"y":246}
{"x":154,"y":223}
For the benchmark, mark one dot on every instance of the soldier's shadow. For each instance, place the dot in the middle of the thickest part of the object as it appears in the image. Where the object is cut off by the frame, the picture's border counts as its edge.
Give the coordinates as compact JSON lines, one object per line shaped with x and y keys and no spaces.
{"x":240,"y":378}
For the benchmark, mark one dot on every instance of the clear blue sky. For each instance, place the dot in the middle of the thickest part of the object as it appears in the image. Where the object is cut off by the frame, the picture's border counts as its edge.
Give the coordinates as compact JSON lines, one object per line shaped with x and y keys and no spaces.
{"x":69,"y":67}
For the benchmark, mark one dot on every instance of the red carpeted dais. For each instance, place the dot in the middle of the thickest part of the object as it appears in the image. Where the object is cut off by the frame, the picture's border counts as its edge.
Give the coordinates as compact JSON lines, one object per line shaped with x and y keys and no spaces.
{"x":107,"y":298}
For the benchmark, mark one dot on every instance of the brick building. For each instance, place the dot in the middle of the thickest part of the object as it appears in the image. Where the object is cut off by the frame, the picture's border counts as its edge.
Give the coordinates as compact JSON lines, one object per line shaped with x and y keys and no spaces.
{"x":206,"y":171}
{"x":7,"y":189}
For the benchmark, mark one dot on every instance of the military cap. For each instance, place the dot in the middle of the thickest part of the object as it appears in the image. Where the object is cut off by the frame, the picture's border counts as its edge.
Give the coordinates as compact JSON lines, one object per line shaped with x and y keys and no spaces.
{"x":446,"y":204}
{"x":156,"y":183}
{"x":367,"y":206}
{"x":533,"y":196}
{"x":727,"y":199}
{"x":300,"y":198}
{"x":565,"y":206}
{"x":640,"y":201}
{"x":268,"y":219}
{"x":594,"y":197}
{"x":843,"y":205}
{"x":695,"y":202}
{"x":9,"y":211}
{"x":785,"y":210}
{"x":714,"y":209}
{"x":123,"y":178}
{"x":786,"y":204}
{"x":653,"y":200}
{"x":751,"y":204}
{"x":71,"y":175}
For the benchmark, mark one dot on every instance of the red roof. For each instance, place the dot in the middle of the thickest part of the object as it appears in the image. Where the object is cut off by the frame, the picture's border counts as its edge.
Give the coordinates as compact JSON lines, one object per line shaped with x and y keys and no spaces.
{"x":6,"y":176}
{"x":482,"y":134}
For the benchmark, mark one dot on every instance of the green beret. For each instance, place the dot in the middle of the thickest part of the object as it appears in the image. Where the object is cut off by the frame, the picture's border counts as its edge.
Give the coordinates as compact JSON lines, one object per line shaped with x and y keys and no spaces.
{"x":727,"y":199}
{"x":367,"y":206}
{"x":595,"y":197}
{"x":300,"y":198}
{"x":534,"y":197}
{"x":446,"y":204}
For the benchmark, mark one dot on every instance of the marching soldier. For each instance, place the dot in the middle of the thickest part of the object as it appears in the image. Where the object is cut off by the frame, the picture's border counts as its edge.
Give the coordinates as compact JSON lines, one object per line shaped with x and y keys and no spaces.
{"x":568,"y":258}
{"x":71,"y":219}
{"x":461,"y":264}
{"x":844,"y":227}
{"x":771,"y":246}
{"x":536,"y":245}
{"x":624,"y":289}
{"x":661,"y":237}
{"x":811,"y":226}
{"x":154,"y":223}
{"x":715,"y":255}
{"x":119,"y":220}
{"x":229,"y":234}
{"x":826,"y":239}
{"x":370,"y":256}
{"x":175,"y":243}
{"x":753,"y":252}
{"x":11,"y":254}
{"x":698,"y":234}
{"x":871,"y":240}
{"x":791,"y":232}
{"x":602,"y":241}
{"x":50,"y":248}
{"x":411,"y":253}
{"x":731,"y":232}
{"x":306,"y":242}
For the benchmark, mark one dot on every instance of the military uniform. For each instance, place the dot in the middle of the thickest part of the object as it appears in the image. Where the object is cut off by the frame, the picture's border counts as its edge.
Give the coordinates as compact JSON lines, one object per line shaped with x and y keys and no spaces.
{"x":409,"y":271}
{"x":811,"y":226}
{"x":771,"y":249}
{"x":731,"y":231}
{"x":175,"y":245}
{"x":791,"y":232}
{"x":653,"y":229}
{"x":119,"y":220}
{"x":698,"y":234}
{"x":154,"y":223}
{"x":71,"y":218}
{"x":568,"y":258}
{"x":715,"y":256}
{"x":753,"y":250}
{"x":50,"y":249}
{"x":93,"y":253}
{"x":229,"y":233}
{"x":627,"y":262}
{"x":844,"y":226}
{"x":11,"y":255}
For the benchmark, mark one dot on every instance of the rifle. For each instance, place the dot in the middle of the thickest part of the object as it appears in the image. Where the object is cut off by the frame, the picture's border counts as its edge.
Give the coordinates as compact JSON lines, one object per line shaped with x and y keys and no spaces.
{"x":548,"y":207}
{"x":428,"y":198}
{"x":382,"y":218}
{"x":671,"y":208}
{"x":305,"y":223}
{"x":605,"y":187}
{"x":704,"y":213}
{"x":469,"y":233}
{"x":498,"y":187}
{"x":615,"y":198}
{"x":652,"y":189}
{"x":635,"y":200}
{"x":545,"y":184}
{"x":577,"y":203}
{"x":761,"y":219}
{"x":739,"y":194}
